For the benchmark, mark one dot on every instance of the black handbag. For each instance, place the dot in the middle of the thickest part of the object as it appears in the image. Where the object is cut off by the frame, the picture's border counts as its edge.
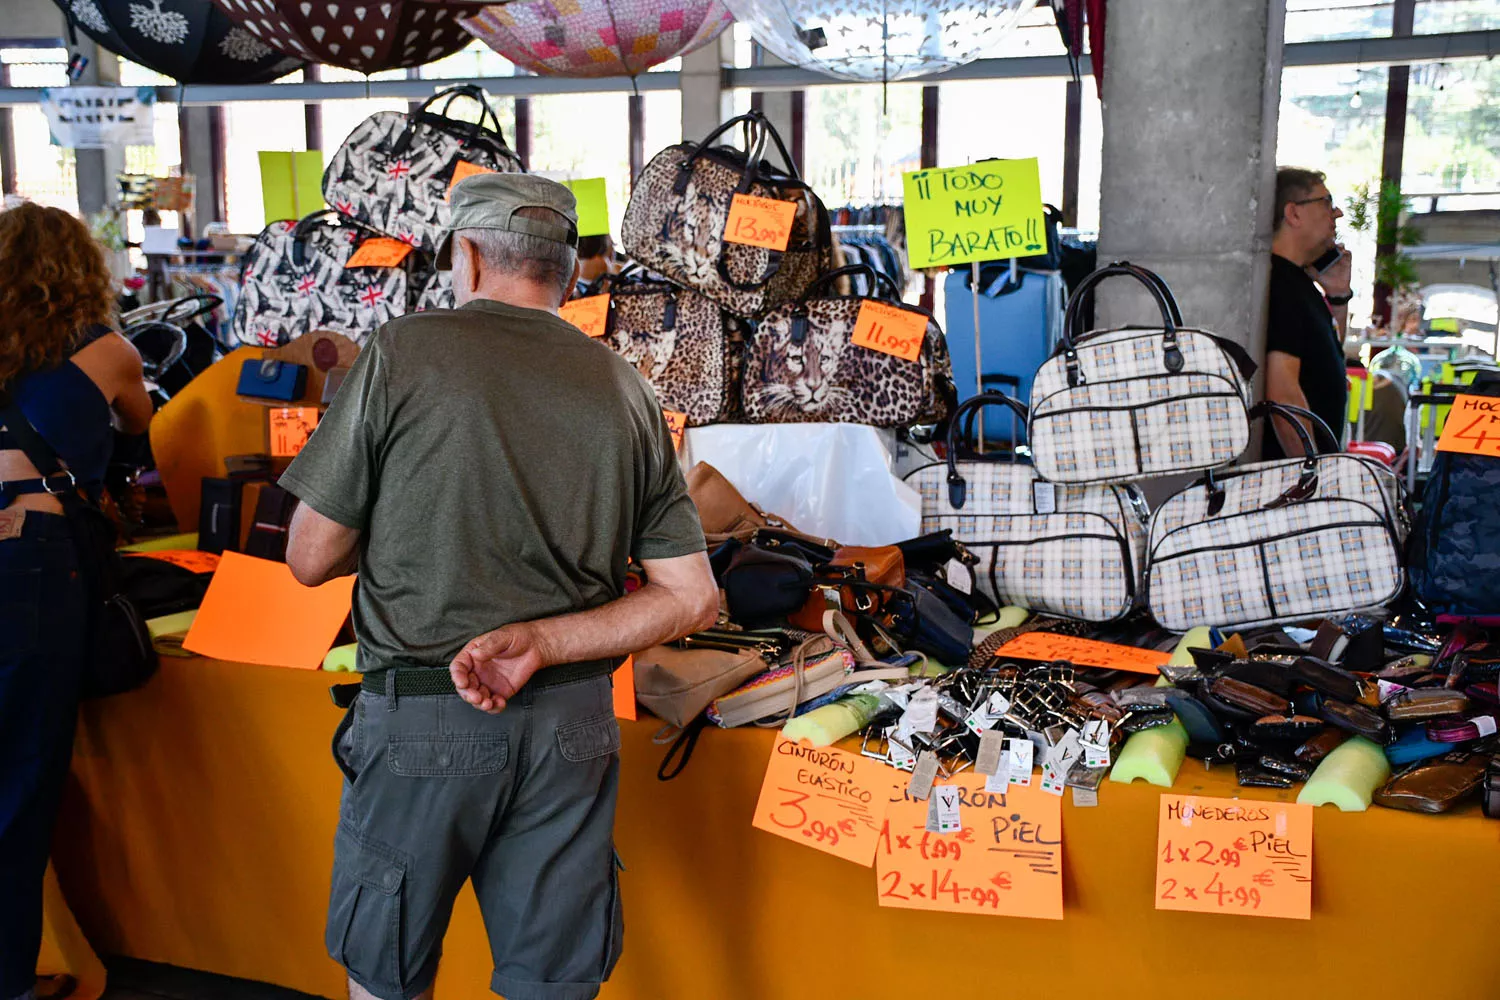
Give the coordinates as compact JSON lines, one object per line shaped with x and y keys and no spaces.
{"x":762,"y":583}
{"x":119,"y":655}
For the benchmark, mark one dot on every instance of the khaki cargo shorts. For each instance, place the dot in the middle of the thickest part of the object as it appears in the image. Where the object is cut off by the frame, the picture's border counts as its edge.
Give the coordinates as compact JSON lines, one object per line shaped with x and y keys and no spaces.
{"x":522,"y":803}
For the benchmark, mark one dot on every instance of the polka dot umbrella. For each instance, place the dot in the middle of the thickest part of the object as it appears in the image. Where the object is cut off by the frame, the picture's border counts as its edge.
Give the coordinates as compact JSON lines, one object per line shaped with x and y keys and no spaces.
{"x":597,"y":37}
{"x":879,"y":39}
{"x":363,"y":35}
{"x":190,"y":41}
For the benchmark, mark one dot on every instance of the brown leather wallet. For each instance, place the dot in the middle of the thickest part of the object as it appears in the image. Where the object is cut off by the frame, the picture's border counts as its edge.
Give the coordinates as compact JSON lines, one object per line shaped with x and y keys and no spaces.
{"x":1436,"y":785}
{"x":1249,"y":697}
{"x":1425,"y":703}
{"x":1356,"y":719}
{"x":1325,"y":678}
{"x":1321,"y":745}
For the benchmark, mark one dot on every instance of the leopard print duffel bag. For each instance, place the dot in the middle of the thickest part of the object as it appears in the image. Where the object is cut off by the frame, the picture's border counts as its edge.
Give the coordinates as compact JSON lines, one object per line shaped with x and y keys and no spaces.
{"x":679,"y":210}
{"x":804,"y":366}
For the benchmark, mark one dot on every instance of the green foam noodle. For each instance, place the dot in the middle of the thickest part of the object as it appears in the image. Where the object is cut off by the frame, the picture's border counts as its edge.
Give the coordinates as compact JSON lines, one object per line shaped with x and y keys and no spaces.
{"x":1154,"y":755}
{"x":1348,"y":777}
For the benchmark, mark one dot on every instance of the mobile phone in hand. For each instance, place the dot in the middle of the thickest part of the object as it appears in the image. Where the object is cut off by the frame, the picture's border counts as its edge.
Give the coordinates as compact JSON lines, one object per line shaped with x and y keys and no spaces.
{"x":1328,"y":259}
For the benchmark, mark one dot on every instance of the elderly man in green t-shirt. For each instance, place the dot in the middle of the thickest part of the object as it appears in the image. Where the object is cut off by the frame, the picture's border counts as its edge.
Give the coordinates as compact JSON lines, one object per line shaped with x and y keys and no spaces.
{"x":489,"y":471}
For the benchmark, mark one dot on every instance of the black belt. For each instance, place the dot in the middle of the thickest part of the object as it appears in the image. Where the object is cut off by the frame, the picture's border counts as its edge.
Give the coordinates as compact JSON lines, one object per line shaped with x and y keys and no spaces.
{"x":411,"y":682}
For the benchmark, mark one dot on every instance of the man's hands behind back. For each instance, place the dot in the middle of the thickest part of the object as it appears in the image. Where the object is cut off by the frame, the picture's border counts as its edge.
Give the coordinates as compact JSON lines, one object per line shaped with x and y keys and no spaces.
{"x":493,"y":668}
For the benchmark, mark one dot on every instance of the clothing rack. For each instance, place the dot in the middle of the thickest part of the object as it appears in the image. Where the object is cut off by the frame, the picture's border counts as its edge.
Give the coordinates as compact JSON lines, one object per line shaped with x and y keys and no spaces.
{"x":873,"y":235}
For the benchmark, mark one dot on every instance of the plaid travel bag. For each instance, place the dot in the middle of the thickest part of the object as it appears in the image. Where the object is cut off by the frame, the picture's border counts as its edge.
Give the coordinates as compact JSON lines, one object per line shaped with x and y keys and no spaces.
{"x":1068,"y":550}
{"x":1280,"y":541}
{"x":1119,"y":405}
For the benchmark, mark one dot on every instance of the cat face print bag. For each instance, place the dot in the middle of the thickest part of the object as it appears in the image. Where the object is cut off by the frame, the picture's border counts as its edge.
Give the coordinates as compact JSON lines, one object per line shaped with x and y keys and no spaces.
{"x":394,"y":170}
{"x":296,"y":278}
{"x":679,"y":210}
{"x":804,"y":366}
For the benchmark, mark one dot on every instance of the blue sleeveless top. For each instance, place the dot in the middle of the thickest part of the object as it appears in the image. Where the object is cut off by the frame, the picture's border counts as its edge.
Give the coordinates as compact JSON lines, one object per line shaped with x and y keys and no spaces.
{"x":70,"y":413}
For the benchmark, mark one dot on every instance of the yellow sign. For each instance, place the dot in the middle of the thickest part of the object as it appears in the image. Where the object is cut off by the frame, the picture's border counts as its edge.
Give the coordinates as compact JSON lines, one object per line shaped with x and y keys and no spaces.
{"x":593,"y":205}
{"x":1234,"y":856}
{"x":291,"y":183}
{"x":985,"y":211}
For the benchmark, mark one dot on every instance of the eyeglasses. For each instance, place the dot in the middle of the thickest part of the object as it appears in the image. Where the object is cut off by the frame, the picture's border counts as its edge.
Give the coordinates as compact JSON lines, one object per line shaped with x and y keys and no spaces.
{"x":1327,"y":199}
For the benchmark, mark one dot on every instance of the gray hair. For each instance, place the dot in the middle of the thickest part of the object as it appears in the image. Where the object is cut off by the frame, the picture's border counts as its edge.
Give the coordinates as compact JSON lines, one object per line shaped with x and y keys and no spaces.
{"x":545,"y":262}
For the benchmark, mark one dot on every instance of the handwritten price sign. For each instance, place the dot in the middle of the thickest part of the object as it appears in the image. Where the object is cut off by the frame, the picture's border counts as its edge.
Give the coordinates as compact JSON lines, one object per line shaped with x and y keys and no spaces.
{"x":591,"y":314}
{"x":1473,"y":426}
{"x":677,"y":424}
{"x":291,"y":426}
{"x":760,"y":222}
{"x":826,"y":799}
{"x":984,"y":211}
{"x":1047,"y":647}
{"x":890,"y":330}
{"x":379,"y":251}
{"x":1233,"y":856}
{"x":1005,"y":861}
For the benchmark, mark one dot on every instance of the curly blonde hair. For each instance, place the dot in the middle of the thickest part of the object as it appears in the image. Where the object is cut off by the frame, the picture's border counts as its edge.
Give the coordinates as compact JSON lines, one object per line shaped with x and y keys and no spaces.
{"x":55,"y":287}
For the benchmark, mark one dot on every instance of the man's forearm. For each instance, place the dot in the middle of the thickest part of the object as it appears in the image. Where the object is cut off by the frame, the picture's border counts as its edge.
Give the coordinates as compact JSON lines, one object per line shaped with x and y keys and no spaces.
{"x":1340,"y":320}
{"x":645,"y":618}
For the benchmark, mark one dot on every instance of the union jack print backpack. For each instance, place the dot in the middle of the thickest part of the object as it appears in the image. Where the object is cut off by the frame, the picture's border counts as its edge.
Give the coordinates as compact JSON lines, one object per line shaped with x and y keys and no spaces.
{"x":394,"y":171}
{"x":295,"y":278}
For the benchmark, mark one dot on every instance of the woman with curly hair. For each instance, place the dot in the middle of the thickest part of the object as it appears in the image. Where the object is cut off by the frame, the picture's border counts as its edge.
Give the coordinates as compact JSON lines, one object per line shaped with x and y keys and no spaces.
{"x":70,"y":378}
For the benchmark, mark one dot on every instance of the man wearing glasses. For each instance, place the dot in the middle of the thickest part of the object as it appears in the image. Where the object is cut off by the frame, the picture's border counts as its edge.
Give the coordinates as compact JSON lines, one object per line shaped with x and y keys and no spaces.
{"x":1308,"y":311}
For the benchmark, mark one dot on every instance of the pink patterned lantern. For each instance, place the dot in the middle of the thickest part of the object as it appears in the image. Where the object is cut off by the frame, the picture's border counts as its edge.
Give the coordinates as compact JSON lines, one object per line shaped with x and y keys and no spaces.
{"x":597,"y":37}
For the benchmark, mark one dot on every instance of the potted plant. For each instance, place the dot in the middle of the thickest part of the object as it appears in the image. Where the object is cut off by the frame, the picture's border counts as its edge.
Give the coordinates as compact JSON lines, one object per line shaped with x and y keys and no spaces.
{"x":1388,"y":214}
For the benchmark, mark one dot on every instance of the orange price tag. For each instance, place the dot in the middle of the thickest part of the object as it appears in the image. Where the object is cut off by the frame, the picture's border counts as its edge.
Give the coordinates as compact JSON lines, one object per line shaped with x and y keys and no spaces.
{"x":1005,"y":861}
{"x":189,"y":559}
{"x":760,"y":222}
{"x":591,"y":315}
{"x":465,"y":169}
{"x":291,"y":426}
{"x":1473,"y":426}
{"x":625,"y":690}
{"x":1234,"y":856}
{"x":379,"y":251}
{"x":1084,"y":653}
{"x":827,"y":799}
{"x":890,"y":330}
{"x":677,"y":424}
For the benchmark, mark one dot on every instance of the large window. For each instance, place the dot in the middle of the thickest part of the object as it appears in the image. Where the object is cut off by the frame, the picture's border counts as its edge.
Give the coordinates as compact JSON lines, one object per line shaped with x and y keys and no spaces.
{"x":856,"y":149}
{"x":577,"y":136}
{"x":44,"y":173}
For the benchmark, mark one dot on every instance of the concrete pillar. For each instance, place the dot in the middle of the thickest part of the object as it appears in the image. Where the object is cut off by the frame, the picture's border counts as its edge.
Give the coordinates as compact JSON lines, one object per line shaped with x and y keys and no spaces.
{"x":97,"y":168}
{"x":196,"y":128}
{"x":706,"y":103}
{"x":1191,"y":93}
{"x":777,"y":105}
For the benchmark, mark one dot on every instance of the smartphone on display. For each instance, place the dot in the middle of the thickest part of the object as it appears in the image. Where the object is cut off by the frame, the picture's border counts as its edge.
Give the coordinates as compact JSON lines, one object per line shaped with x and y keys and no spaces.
{"x":1328,"y":259}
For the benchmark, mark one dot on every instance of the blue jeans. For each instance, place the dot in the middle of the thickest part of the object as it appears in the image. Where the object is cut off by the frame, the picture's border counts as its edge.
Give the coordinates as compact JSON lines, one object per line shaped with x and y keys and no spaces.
{"x":43,"y":621}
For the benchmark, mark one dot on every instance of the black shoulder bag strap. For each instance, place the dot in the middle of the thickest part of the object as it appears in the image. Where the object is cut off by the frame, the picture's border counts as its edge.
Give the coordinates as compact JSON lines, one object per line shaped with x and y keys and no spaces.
{"x":41,"y":454}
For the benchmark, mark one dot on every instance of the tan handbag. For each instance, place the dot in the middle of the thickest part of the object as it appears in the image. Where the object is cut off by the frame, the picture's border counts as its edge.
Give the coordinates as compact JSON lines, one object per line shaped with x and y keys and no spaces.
{"x":676,"y":685}
{"x":726,"y":513}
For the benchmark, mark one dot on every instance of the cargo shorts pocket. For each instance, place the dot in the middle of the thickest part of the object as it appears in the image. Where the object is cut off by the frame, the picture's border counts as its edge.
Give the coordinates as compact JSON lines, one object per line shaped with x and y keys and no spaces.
{"x":589,"y":738}
{"x":447,"y":756}
{"x":365,"y":912}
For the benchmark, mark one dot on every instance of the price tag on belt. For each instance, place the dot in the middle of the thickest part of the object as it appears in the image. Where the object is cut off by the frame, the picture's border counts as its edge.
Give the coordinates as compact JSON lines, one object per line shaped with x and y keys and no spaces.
{"x":379,"y":251}
{"x":890,"y":330}
{"x":760,"y":222}
{"x":591,"y":314}
{"x":1473,"y":426}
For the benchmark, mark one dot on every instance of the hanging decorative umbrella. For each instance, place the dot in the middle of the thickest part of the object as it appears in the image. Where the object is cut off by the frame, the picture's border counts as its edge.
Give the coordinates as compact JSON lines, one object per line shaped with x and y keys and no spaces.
{"x":879,"y":39}
{"x":190,"y":41}
{"x":363,"y":35}
{"x":597,"y":37}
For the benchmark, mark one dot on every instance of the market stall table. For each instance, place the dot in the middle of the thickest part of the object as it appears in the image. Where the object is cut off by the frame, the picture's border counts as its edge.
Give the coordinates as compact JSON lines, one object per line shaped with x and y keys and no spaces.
{"x":198,"y":831}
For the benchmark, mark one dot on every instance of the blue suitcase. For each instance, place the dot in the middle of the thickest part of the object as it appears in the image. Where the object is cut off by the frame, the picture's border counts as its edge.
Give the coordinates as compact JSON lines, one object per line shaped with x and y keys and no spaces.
{"x":1021,"y":322}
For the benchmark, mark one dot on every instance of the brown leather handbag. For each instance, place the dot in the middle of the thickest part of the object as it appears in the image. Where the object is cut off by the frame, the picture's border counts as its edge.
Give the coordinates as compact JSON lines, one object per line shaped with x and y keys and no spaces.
{"x":678,"y":684}
{"x":726,"y":513}
{"x":882,"y":565}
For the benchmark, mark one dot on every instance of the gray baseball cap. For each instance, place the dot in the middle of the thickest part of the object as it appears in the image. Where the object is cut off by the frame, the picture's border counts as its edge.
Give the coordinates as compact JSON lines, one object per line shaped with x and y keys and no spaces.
{"x":490,"y":201}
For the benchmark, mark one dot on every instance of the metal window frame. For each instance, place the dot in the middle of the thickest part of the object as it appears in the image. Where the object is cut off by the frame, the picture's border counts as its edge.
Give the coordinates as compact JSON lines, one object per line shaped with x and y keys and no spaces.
{"x":1371,"y":52}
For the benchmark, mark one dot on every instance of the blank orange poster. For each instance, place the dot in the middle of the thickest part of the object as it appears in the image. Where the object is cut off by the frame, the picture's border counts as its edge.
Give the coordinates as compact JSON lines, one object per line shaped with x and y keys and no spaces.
{"x":625,"y":690}
{"x":256,"y":612}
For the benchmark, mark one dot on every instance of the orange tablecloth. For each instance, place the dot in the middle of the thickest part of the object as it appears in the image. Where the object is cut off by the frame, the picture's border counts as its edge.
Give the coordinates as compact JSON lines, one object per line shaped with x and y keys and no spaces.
{"x":198,"y":830}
